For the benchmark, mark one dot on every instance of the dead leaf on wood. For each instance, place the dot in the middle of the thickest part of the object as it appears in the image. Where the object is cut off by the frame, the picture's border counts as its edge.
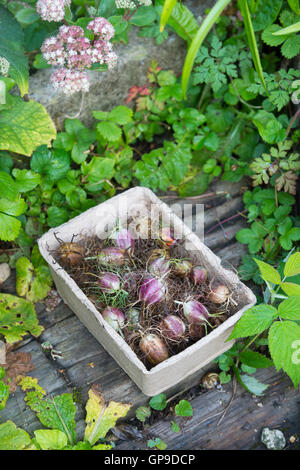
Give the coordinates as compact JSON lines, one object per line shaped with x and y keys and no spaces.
{"x":17,"y":363}
{"x":126,"y":432}
{"x":52,"y":300}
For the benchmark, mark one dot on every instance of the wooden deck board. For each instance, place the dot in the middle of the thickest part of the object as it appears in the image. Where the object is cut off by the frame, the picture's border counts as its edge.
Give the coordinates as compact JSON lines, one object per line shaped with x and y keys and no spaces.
{"x":85,"y":362}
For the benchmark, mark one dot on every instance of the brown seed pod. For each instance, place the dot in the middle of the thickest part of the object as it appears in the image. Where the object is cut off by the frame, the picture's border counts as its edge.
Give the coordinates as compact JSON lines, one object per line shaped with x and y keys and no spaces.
{"x":158,"y":253}
{"x":154,"y":349}
{"x":196,"y":331}
{"x":219,"y":294}
{"x":182,"y":268}
{"x":217,"y":321}
{"x":210,"y":380}
{"x":71,"y":254}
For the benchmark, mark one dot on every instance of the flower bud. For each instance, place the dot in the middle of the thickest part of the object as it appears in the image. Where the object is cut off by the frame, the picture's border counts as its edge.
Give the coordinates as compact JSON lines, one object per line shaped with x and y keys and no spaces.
{"x":152,"y":291}
{"x":173,"y":327}
{"x":108,"y":282}
{"x":114,"y":317}
{"x":195,"y":312}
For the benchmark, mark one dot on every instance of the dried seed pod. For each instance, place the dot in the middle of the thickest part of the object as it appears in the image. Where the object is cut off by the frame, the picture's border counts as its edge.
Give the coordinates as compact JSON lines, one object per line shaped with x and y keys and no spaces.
{"x":210,"y":380}
{"x":195,"y":312}
{"x":132,"y":316}
{"x":182,"y":268}
{"x":154,"y":349}
{"x":158,"y":253}
{"x":111,"y":255}
{"x":219,"y":294}
{"x":173,"y":327}
{"x":199,"y":274}
{"x":108,"y":282}
{"x":71,"y":254}
{"x":125,"y":240}
{"x":196,"y":331}
{"x":152,"y":291}
{"x":217,"y":321}
{"x":114,"y":317}
{"x":159,"y":267}
{"x":130,"y":281}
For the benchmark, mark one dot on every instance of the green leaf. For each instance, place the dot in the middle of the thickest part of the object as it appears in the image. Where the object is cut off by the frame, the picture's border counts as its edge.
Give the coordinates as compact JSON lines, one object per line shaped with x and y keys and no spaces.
{"x":266,"y":13}
{"x":292,"y":266}
{"x":203,"y":31}
{"x":255,"y":359}
{"x":4,"y":394}
{"x":290,"y":308}
{"x":11,"y":47}
{"x":255,"y":320}
{"x":13,"y":438}
{"x":294,"y":28}
{"x":184,"y":408}
{"x":158,"y":402}
{"x":290,"y":288}
{"x":24,"y":272}
{"x":53,"y":164}
{"x":166,"y":13}
{"x":183,"y":22}
{"x":268,"y":273}
{"x":269,"y":127}
{"x":9,"y":225}
{"x":291,"y":47}
{"x":109,"y":131}
{"x":100,"y":418}
{"x":25,"y":180}
{"x":51,"y":439}
{"x":252,"y":40}
{"x":56,"y":216}
{"x":284,"y":345}
{"x":269,"y":38}
{"x":175,"y":427}
{"x":224,"y":377}
{"x":143,"y":16}
{"x":7,"y":182}
{"x":26,"y":16}
{"x":121,"y":115}
{"x":143,"y":413}
{"x":24,"y":126}
{"x":295,"y":6}
{"x":253,"y":385}
{"x":17,"y":318}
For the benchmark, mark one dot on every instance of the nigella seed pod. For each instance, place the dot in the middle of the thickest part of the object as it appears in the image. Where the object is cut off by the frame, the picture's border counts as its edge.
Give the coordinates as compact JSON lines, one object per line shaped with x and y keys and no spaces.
{"x":111,"y":255}
{"x":196,"y":331}
{"x":108,"y":282}
{"x":125,"y":240}
{"x":133,"y":316}
{"x":159,"y":253}
{"x":152,"y":291}
{"x":130,"y":281}
{"x":195,"y":312}
{"x":199,"y":275}
{"x":166,"y":236}
{"x":159,"y":267}
{"x":154,"y":349}
{"x":114,"y":317}
{"x":182,"y":268}
{"x":71,"y":254}
{"x":219,"y":294}
{"x":173,"y":327}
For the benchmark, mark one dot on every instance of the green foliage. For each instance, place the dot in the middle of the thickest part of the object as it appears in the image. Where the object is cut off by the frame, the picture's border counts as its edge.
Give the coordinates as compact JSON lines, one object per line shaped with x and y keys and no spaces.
{"x":158,"y":402}
{"x":279,"y":319}
{"x":156,"y":443}
{"x":143,"y":413}
{"x":184,"y":408}
{"x":4,"y":390}
{"x":285,"y":34}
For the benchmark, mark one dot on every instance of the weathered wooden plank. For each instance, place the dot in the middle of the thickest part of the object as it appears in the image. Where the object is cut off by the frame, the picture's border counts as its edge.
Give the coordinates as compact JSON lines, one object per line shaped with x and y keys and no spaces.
{"x":241,"y":427}
{"x":222,"y":236}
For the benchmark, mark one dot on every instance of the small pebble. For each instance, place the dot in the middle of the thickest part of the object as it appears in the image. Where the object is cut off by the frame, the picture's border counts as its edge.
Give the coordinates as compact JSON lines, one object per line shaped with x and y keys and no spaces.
{"x":273,"y":439}
{"x":4,"y":272}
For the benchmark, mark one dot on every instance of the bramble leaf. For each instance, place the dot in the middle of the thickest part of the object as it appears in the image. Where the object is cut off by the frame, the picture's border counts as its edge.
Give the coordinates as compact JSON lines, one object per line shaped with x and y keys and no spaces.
{"x":268,"y":273}
{"x":255,"y":320}
{"x":290,"y":308}
{"x":292,"y":266}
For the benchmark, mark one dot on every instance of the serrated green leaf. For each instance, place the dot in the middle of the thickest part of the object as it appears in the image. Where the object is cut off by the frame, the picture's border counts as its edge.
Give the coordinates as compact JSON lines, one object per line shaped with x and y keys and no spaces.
{"x":269,"y":38}
{"x":100,"y":418}
{"x":25,"y":180}
{"x":109,"y":130}
{"x":13,"y":438}
{"x":255,"y":320}
{"x":290,"y":308}
{"x":284,"y":345}
{"x":121,"y":115}
{"x":183,"y":22}
{"x":56,"y":216}
{"x":24,"y":126}
{"x":292,"y":266}
{"x":143,"y":413}
{"x":290,"y":288}
{"x":253,"y":385}
{"x":4,"y":394}
{"x":291,"y":47}
{"x":7,"y":182}
{"x":17,"y":318}
{"x":51,"y":439}
{"x":266,"y":13}
{"x":268,"y":272}
{"x":255,"y":359}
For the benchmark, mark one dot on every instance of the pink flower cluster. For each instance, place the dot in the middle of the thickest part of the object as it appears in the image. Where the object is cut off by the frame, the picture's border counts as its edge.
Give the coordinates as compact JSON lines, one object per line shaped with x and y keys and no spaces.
{"x":52,"y":10}
{"x":73,"y":52}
